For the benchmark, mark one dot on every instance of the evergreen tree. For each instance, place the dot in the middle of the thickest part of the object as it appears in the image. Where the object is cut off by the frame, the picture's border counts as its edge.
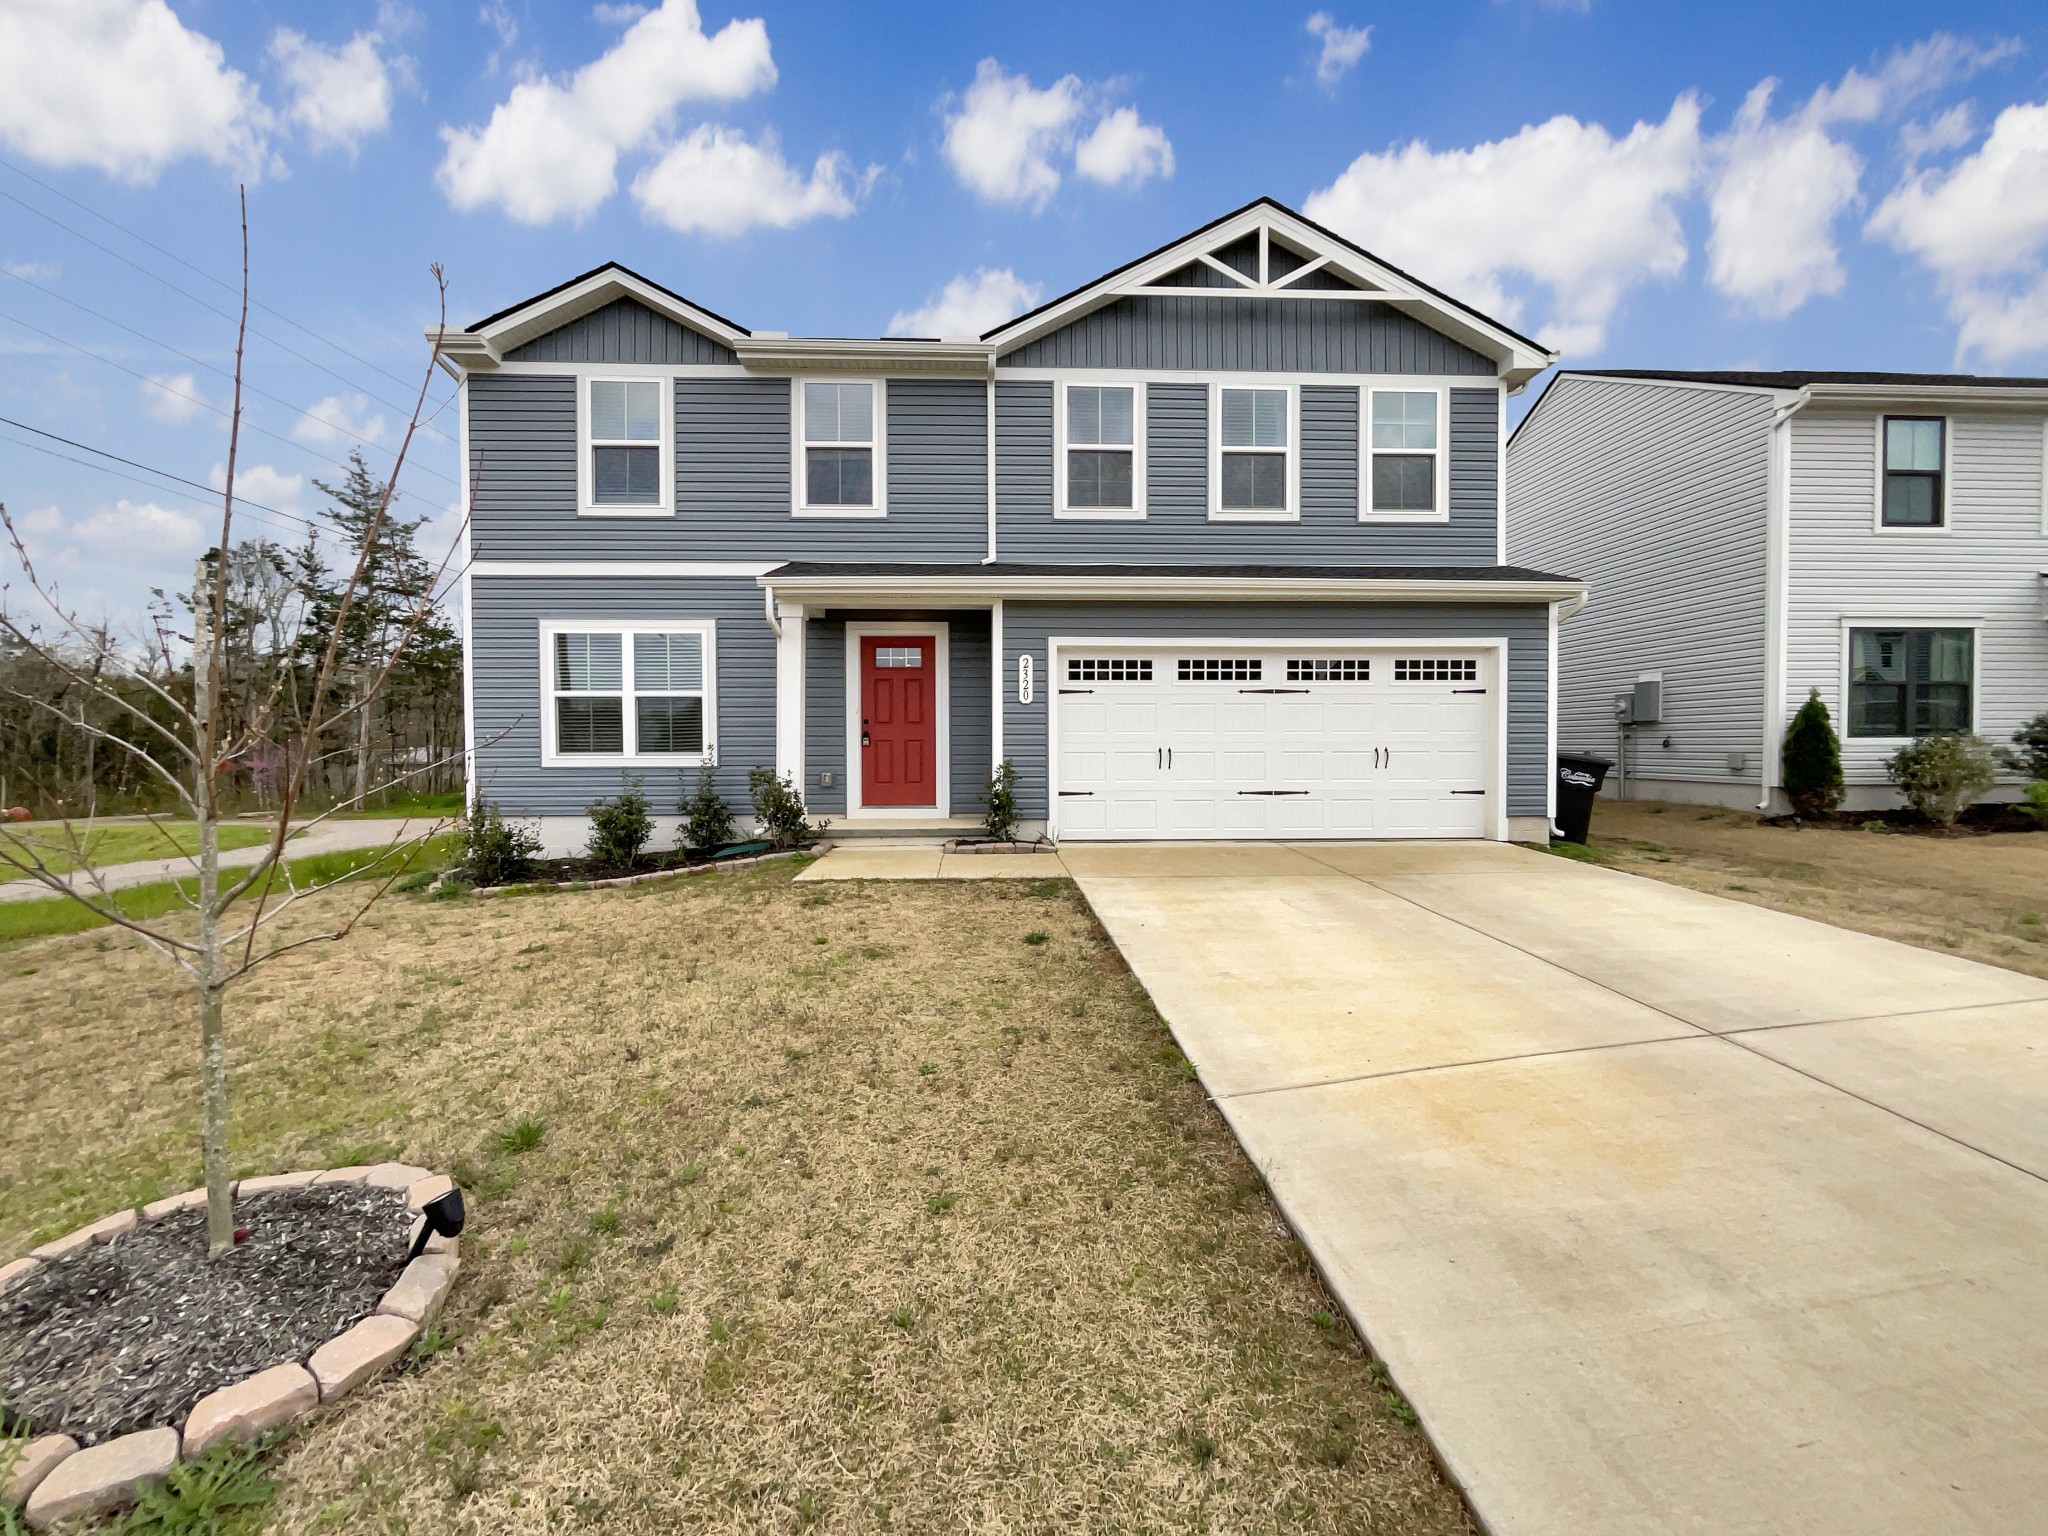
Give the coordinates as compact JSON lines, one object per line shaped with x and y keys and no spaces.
{"x":1813,"y":761}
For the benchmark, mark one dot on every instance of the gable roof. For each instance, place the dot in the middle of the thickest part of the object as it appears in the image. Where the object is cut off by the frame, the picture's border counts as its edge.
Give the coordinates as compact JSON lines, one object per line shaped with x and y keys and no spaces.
{"x":486,"y":343}
{"x":1361,"y":274}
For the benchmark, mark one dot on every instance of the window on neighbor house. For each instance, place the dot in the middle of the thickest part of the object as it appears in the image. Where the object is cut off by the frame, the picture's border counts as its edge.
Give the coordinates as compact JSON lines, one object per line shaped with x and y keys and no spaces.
{"x":1910,"y":682}
{"x":1915,"y":458}
{"x":1252,"y":474}
{"x":625,"y":443}
{"x":839,"y":444}
{"x":1404,"y":448}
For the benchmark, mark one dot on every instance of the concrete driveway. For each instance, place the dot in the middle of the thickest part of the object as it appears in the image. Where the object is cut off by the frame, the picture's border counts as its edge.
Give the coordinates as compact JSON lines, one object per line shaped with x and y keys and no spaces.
{"x":1668,"y":1213}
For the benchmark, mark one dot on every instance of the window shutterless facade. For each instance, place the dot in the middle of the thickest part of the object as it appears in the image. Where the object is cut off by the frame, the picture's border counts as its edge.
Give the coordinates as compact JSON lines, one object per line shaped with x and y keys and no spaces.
{"x":1254,"y":468}
{"x":1101,"y":462}
{"x":1911,"y":682}
{"x":621,"y":693}
{"x":1403,"y":476}
{"x":625,"y":458}
{"x":840,"y":469}
{"x":1915,"y":457}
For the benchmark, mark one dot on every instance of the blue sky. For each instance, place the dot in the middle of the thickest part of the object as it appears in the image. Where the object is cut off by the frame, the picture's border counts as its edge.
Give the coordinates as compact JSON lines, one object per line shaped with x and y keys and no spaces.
{"x":1618,"y":178}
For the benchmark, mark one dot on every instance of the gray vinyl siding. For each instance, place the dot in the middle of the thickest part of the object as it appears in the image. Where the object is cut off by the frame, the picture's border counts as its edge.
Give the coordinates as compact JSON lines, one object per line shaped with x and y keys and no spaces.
{"x":623,"y":332}
{"x":1983,"y":566}
{"x":1029,"y":627}
{"x":1658,"y":497}
{"x":1155,"y":332}
{"x":825,"y":715}
{"x":733,"y":465}
{"x":505,"y":617}
{"x":1177,"y":526}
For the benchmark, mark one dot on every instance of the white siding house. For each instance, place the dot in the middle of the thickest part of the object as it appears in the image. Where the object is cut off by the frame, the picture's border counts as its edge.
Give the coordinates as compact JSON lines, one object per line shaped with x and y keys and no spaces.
{"x":1881,"y":539}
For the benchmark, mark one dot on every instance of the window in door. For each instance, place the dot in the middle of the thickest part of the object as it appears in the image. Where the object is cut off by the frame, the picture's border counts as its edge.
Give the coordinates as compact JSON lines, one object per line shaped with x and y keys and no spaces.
{"x":1253,"y":470}
{"x":1915,"y":457}
{"x":1910,"y":682}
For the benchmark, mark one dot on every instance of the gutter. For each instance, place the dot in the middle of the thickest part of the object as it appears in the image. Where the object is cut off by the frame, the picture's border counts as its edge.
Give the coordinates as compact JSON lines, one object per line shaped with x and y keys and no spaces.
{"x":1777,"y":588}
{"x":858,"y":588}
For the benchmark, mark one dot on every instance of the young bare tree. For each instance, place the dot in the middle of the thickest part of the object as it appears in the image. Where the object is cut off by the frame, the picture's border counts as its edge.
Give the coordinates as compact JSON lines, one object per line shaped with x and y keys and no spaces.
{"x":192,"y":730}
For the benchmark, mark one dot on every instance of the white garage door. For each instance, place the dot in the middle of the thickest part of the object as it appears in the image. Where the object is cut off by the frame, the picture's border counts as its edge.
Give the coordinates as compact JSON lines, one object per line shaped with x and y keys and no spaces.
{"x":1284,"y":742}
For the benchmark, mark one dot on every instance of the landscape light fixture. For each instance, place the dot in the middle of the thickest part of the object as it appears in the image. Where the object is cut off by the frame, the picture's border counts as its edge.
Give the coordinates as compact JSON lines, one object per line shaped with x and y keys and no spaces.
{"x":443,"y":1216}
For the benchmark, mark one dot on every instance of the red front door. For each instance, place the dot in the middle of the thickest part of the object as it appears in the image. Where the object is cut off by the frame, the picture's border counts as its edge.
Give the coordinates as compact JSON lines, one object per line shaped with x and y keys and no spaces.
{"x":899,"y":728}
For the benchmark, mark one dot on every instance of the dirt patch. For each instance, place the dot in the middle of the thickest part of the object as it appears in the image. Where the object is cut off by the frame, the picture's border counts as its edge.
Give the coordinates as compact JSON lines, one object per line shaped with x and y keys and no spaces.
{"x":130,"y":1334}
{"x":830,"y":1208}
{"x":1982,"y":895}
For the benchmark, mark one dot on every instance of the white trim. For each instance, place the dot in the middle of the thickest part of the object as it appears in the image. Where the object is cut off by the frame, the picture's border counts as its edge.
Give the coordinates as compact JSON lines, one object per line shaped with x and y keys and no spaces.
{"x":1078,"y":375}
{"x":586,"y":506}
{"x":1550,"y":727}
{"x":1948,"y":466}
{"x":2044,"y":484}
{"x":551,"y":758}
{"x":1497,"y":787}
{"x":1135,"y":512}
{"x":942,"y":705}
{"x":799,"y":500}
{"x":989,"y":456}
{"x":1217,"y":383}
{"x":1440,"y":471}
{"x":742,"y":569}
{"x":790,"y":642}
{"x":485,"y":345}
{"x":996,"y":706}
{"x":974,"y":591}
{"x":469,"y":784}
{"x":764,"y":352}
{"x":622,"y":370}
{"x":1500,"y":480}
{"x":1922,"y":621}
{"x":1777,"y":597}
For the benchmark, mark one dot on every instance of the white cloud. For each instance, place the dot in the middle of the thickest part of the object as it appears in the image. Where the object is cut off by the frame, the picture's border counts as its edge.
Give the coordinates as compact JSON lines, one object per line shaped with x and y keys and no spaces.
{"x":1343,"y":47}
{"x":122,"y":86}
{"x":968,"y":306}
{"x":1122,"y":151}
{"x":33,"y":271}
{"x":1909,"y":73}
{"x":260,"y":482}
{"x":1939,"y":134}
{"x":172,"y":397}
{"x":717,"y":183}
{"x":1563,"y":204}
{"x":1778,"y":190}
{"x":551,"y":149}
{"x":617,"y":15}
{"x":340,"y":419}
{"x":127,"y":534}
{"x":1981,"y":226}
{"x":340,"y":95}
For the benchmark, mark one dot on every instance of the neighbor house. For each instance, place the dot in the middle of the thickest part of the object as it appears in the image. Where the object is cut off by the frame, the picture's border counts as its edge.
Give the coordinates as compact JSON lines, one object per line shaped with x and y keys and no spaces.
{"x":1880,"y":539}
{"x":1210,"y":547}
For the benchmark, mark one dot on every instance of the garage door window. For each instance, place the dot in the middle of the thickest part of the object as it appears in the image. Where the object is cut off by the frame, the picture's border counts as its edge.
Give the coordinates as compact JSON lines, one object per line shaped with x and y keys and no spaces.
{"x":1220,"y":669}
{"x":1113,"y":669}
{"x":1323,"y":669}
{"x":1435,"y":669}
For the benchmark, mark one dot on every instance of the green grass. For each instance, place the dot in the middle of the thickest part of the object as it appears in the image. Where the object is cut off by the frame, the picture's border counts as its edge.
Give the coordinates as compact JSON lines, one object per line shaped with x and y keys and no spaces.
{"x":432,"y":807}
{"x":124,"y":842}
{"x":20,"y":920}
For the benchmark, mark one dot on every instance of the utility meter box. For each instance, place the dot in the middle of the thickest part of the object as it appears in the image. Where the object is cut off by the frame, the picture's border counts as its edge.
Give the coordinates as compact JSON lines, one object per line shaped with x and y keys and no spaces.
{"x":1646,"y":702}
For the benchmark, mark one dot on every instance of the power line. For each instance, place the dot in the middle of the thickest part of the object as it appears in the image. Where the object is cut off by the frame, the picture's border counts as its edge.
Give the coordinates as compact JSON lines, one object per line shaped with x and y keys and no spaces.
{"x":148,"y":485}
{"x":359,"y":441}
{"x":162,"y":474}
{"x":202,"y":303}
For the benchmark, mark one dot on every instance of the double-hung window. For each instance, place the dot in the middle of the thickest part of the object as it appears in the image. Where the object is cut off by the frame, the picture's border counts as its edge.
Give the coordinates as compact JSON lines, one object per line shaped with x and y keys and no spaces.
{"x":842,"y":469}
{"x":1910,"y":682}
{"x":624,"y":471}
{"x":1254,"y":465}
{"x":1915,"y":469}
{"x":620,"y":693}
{"x":1101,"y":467}
{"x":1404,"y":476}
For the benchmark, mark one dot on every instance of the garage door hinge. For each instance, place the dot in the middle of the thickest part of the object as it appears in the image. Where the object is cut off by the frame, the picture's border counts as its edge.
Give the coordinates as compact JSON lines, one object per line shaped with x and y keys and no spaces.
{"x":1070,"y":794}
{"x":1468,"y":791}
{"x":1468,"y":690}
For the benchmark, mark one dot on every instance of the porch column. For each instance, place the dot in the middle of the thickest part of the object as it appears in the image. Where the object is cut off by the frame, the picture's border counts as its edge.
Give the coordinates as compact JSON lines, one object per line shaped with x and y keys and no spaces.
{"x":789,"y":694}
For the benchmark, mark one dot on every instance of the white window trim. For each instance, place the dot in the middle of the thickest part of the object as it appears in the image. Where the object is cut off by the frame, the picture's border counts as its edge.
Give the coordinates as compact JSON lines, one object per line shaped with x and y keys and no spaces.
{"x":551,"y":757}
{"x":1060,"y":509}
{"x":1292,"y":512}
{"x":800,"y":505}
{"x":942,"y":704}
{"x":1440,"y":510}
{"x":1948,"y":488}
{"x":1923,"y":621}
{"x":586,"y":489}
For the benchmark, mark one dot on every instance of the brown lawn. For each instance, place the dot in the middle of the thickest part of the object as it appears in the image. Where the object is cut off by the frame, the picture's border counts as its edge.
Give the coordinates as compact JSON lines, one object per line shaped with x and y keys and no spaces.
{"x":850,"y":1210}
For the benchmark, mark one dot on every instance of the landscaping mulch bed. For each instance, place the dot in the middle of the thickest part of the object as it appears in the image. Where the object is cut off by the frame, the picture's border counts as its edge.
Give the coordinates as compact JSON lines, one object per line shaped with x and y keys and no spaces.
{"x":128,"y":1335}
{"x":584,"y":871}
{"x":1978,"y":820}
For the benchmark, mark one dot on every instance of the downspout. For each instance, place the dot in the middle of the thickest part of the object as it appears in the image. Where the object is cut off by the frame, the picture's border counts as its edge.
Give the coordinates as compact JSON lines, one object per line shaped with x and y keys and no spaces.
{"x":990,"y":557}
{"x":1777,"y":589}
{"x":768,"y":606}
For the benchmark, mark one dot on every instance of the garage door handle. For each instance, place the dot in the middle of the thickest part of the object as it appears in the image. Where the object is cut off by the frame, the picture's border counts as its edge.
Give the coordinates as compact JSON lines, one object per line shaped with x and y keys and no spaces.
{"x":1091,"y":690}
{"x":1272,"y":690}
{"x":1468,"y":791}
{"x":1076,"y":794}
{"x":1272,"y":791}
{"x":1468,"y":690}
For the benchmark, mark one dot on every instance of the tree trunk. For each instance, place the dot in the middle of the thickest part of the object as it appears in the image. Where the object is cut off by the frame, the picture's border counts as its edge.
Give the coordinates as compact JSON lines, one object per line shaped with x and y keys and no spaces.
{"x":362,"y":794}
{"x":213,"y":1051}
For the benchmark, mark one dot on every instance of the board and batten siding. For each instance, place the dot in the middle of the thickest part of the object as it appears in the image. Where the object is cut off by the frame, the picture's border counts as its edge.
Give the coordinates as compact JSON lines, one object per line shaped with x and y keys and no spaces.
{"x":506,"y":613}
{"x":623,"y":332}
{"x":1657,"y":496}
{"x":1177,"y":526}
{"x":1148,"y":332}
{"x":1029,"y":627}
{"x":1985,"y":565}
{"x":732,"y":467}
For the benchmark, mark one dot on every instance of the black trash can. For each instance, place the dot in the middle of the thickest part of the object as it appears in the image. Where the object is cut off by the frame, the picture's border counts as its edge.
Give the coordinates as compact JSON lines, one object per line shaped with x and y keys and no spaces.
{"x":1578,"y":781}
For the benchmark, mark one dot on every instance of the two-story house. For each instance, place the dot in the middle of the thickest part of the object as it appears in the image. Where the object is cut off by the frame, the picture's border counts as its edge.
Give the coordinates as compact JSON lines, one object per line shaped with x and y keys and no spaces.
{"x":1210,"y":547}
{"x":1880,"y":538}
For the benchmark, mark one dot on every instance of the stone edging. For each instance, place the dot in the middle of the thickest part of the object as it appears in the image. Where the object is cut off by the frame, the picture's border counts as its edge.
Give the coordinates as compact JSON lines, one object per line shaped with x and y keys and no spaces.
{"x":682,"y":871}
{"x":57,"y":1481}
{"x":1017,"y":845}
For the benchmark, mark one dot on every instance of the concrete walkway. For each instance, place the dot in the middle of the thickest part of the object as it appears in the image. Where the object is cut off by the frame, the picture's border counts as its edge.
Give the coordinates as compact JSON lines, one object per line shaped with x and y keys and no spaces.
{"x":327,"y":837}
{"x":1668,"y":1213}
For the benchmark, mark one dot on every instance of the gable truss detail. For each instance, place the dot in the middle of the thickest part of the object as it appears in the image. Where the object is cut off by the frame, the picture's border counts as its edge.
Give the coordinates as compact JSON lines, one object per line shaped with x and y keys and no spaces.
{"x":1277,"y":269}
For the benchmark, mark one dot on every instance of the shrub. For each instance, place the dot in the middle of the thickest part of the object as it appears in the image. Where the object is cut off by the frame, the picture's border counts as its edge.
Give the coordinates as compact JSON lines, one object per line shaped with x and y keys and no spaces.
{"x":2032,"y":740}
{"x":620,"y":827}
{"x":779,"y":807}
{"x":707,"y":820}
{"x":999,"y":819}
{"x":496,"y":851}
{"x":2037,"y":800}
{"x":1813,"y":761}
{"x":1940,"y":775}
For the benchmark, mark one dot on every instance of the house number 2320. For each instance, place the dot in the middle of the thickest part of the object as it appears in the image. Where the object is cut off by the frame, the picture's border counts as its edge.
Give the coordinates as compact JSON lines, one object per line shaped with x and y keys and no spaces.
{"x":1024,"y":678}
